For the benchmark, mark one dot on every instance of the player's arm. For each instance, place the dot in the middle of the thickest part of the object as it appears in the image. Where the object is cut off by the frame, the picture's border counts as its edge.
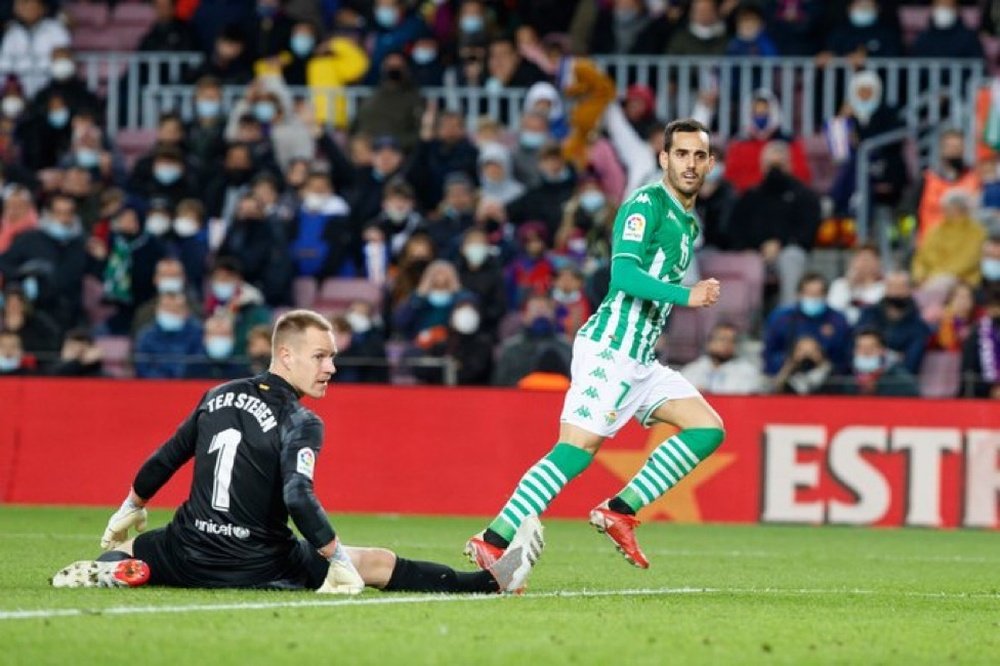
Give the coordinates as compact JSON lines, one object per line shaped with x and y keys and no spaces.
{"x":300,"y":444}
{"x":153,"y":474}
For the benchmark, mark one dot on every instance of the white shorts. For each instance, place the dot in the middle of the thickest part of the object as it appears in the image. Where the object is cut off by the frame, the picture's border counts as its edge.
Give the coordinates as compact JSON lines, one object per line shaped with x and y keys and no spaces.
{"x":608,"y":387}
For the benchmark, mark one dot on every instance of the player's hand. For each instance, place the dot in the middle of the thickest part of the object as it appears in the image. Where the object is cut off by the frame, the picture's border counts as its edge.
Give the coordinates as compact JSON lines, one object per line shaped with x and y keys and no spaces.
{"x":342,"y":577}
{"x":128,"y":516}
{"x":704,"y":294}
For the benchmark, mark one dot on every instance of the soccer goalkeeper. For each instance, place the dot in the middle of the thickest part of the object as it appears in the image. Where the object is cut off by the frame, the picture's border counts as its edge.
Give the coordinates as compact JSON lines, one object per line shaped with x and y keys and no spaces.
{"x":255,"y":447}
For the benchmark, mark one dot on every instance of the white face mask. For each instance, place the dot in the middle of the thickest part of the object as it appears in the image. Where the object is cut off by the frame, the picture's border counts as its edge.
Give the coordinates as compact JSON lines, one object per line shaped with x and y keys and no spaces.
{"x":943,"y":17}
{"x":185,"y":227}
{"x":314,"y":201}
{"x":359,"y":322}
{"x":12,"y":106}
{"x":158,"y":224}
{"x":475,"y":253}
{"x":465,"y":320}
{"x":62,"y":69}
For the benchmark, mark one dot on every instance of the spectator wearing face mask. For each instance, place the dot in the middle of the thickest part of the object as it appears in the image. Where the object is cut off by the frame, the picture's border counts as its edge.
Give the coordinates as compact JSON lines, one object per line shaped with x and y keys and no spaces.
{"x":206,"y":142}
{"x":496,"y":175}
{"x":465,"y":344}
{"x":719,"y":370}
{"x":323,"y":242}
{"x":744,"y":155}
{"x":809,"y":316}
{"x":399,"y":217}
{"x":946,"y":35}
{"x":218,"y":359}
{"x":531,"y":272}
{"x":259,"y":247}
{"x":270,"y":103}
{"x":79,"y":357}
{"x":989,"y":266}
{"x":65,"y":83}
{"x":751,"y":38}
{"x":396,"y":28}
{"x":534,"y":133}
{"x":951,"y":173}
{"x":805,"y":370}
{"x":168,"y":278}
{"x":426,"y":62}
{"x":30,"y":41}
{"x":187,"y":240}
{"x":454,"y":216}
{"x":169,"y":177}
{"x":874,"y":372}
{"x":704,"y":34}
{"x":863,"y":115}
{"x":228,"y":292}
{"x":13,"y":359}
{"x":258,"y":344}
{"x":520,"y":354}
{"x":572,"y":308}
{"x":362,"y":359}
{"x":55,"y":251}
{"x":898,"y":320}
{"x":166,"y":347}
{"x":481,"y":274}
{"x":125,"y":265}
{"x":583,"y":236}
{"x":19,"y":215}
{"x":423,"y":318}
{"x":365,"y":196}
{"x":865,"y":33}
{"x":46,"y":135}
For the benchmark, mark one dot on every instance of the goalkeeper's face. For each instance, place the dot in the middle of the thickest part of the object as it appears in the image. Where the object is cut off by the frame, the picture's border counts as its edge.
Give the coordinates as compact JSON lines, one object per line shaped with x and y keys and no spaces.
{"x":687,"y":162}
{"x":308,"y":359}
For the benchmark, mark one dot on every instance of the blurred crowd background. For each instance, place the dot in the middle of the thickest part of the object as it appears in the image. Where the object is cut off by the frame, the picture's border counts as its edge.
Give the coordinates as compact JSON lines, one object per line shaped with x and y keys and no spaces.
{"x":440,"y":177}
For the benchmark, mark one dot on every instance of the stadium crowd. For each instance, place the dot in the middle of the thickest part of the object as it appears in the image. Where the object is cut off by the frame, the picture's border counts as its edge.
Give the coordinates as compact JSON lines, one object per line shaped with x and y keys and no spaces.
{"x":472,"y":250}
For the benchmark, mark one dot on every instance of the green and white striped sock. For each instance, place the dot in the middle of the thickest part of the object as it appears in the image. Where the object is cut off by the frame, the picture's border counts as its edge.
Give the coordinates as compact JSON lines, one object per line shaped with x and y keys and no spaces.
{"x":669,"y":463}
{"x":539,"y":486}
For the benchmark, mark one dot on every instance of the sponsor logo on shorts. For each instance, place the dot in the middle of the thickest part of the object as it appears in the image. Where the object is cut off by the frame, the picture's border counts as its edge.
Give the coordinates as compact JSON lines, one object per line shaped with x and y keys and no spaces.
{"x":611,"y":417}
{"x":635,"y":225}
{"x":227,"y":529}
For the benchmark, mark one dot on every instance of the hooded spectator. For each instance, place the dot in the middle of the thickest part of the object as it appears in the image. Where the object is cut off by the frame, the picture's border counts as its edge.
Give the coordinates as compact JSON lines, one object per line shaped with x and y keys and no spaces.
{"x":495,"y":174}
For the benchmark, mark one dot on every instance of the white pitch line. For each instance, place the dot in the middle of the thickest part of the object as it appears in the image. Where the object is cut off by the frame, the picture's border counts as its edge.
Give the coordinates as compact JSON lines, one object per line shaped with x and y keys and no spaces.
{"x":388,"y":600}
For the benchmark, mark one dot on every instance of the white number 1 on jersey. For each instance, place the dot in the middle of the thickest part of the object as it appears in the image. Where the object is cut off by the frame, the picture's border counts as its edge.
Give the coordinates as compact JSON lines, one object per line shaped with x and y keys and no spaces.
{"x":225,"y":442}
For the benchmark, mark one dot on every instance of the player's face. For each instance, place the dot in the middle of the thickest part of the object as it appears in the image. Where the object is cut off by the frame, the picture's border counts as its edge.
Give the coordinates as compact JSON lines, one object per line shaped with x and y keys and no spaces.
{"x":310,"y":361}
{"x":687,"y":162}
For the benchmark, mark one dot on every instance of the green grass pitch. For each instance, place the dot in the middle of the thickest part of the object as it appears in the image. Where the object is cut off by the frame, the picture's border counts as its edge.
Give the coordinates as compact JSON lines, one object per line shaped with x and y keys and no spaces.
{"x":715,"y":595}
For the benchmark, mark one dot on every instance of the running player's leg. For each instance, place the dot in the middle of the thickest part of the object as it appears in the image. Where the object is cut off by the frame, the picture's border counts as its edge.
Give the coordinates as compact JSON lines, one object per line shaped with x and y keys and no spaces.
{"x":701,"y":433}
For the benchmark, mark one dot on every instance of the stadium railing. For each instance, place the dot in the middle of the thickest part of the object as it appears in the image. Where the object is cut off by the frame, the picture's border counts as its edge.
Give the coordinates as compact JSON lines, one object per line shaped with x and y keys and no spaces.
{"x":808,"y":94}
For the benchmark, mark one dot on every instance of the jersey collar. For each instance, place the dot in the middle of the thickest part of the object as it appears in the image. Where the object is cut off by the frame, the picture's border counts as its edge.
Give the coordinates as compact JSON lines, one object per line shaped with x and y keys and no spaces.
{"x":272,"y":380}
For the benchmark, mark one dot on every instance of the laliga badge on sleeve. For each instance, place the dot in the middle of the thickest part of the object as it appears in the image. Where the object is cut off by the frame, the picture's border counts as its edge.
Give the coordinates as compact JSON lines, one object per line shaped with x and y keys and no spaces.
{"x":635,"y":226}
{"x":306,"y":462}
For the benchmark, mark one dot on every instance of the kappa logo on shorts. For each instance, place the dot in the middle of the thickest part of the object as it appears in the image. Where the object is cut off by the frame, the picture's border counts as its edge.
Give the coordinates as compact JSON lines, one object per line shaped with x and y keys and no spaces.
{"x":599,"y":373}
{"x":606,"y":355}
{"x":591,"y":392}
{"x":306,"y":462}
{"x":582,"y":411}
{"x":635,"y":226}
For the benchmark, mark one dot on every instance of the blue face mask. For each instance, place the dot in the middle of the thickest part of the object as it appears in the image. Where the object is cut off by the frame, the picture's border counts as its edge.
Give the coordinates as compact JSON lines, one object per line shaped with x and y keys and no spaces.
{"x":592,"y":201}
{"x":59,"y":232}
{"x":219,"y":346}
{"x":541,"y":327}
{"x":302,"y":44}
{"x":761,"y":121}
{"x":88,"y":158}
{"x":264,"y":111}
{"x":439,"y":299}
{"x":224,"y":290}
{"x":423,"y":55}
{"x":532,"y":140}
{"x":471,"y":23}
{"x":208,"y":108}
{"x":866,"y":364}
{"x":59,"y":117}
{"x":170,"y":285}
{"x":9,"y":363}
{"x":29,"y":286}
{"x":386,"y":16}
{"x":560,"y":177}
{"x":811,"y":306}
{"x":715,"y":175}
{"x":990,"y":268}
{"x":166,"y":174}
{"x":169,"y":321}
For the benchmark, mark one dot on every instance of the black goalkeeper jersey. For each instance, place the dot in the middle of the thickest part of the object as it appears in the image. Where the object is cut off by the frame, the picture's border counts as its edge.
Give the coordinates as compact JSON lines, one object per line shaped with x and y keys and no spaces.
{"x":255,"y":448}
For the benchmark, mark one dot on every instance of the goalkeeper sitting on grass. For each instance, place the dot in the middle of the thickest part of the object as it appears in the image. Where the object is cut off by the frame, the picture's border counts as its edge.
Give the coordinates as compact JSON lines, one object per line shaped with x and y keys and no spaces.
{"x":254,"y":447}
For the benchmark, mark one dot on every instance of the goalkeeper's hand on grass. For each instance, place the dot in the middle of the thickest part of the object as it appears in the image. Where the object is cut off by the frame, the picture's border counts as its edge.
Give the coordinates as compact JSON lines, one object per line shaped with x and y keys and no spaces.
{"x":128,"y":516}
{"x":342,"y":577}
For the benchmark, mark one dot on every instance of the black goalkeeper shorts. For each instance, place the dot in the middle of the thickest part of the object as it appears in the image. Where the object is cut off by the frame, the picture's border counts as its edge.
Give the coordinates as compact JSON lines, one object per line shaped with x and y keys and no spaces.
{"x":303,"y":568}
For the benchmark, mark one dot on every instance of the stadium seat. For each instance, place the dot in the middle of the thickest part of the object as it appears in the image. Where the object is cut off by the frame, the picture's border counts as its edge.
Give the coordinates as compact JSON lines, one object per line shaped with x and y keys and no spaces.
{"x":117,"y":352}
{"x":940,"y":374}
{"x":93,"y":293}
{"x":92,"y":38}
{"x":742,"y":275}
{"x":304,"y":290}
{"x":509,"y":326}
{"x":340,"y":292}
{"x":92,"y":14}
{"x":134,"y":143}
{"x":686,"y":332}
{"x":821,"y":164}
{"x":134,"y":14}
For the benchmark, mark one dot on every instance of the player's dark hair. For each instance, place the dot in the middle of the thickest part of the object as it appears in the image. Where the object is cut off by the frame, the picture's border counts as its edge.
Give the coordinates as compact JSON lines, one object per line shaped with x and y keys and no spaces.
{"x":685,"y":125}
{"x":812,"y":277}
{"x":871,"y":332}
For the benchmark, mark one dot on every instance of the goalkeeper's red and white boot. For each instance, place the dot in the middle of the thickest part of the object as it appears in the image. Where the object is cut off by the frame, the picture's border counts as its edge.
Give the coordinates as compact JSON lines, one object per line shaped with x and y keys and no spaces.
{"x":91,"y":573}
{"x":482,"y":553}
{"x":620,"y":528}
{"x":515,"y":563}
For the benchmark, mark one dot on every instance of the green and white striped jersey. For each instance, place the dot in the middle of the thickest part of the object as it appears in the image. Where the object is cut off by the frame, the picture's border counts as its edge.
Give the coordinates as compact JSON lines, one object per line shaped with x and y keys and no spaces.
{"x":653,"y":227}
